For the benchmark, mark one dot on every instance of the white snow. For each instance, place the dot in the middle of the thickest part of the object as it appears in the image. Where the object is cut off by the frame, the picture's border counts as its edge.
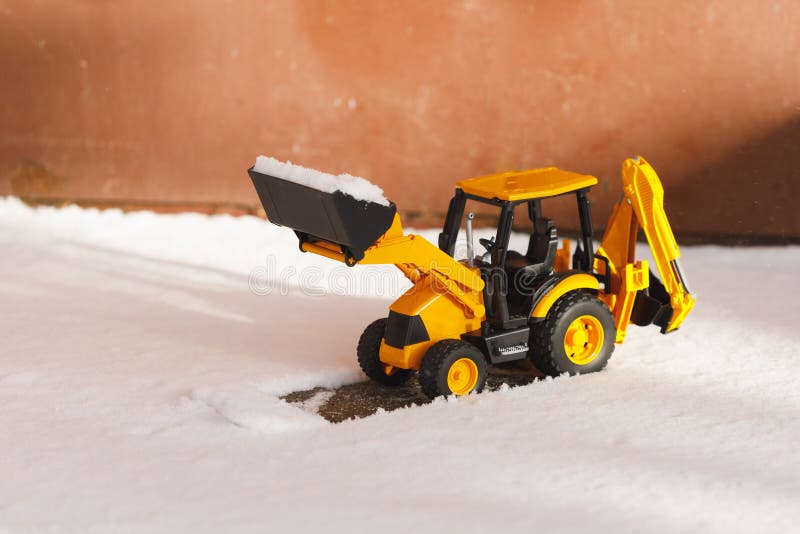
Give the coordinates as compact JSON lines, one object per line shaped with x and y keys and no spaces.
{"x":355,"y":186}
{"x":140,"y":369}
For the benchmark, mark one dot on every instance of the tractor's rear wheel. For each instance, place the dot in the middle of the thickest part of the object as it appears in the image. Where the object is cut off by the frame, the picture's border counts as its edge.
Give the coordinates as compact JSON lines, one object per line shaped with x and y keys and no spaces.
{"x":368,"y":351}
{"x":452,"y":367}
{"x":577,"y":336}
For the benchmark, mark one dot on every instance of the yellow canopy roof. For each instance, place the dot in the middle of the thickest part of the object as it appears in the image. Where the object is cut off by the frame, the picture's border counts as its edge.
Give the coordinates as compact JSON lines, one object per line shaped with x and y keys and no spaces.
{"x":526,"y":185}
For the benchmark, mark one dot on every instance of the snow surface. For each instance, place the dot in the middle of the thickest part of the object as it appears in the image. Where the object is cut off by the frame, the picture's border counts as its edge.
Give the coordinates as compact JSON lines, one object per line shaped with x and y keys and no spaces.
{"x":143,"y":355}
{"x":355,"y":186}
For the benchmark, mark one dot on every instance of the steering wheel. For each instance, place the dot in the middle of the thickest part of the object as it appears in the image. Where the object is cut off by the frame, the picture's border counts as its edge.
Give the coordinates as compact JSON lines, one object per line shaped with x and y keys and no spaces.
{"x":488,"y":244}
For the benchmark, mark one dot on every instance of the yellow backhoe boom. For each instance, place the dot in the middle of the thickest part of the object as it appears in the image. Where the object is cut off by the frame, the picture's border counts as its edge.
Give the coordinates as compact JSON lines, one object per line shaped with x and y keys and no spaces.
{"x":642,"y":206}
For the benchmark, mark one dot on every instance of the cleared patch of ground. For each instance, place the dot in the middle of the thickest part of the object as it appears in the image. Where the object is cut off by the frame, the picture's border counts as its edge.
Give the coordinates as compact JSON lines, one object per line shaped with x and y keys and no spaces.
{"x":362,"y":399}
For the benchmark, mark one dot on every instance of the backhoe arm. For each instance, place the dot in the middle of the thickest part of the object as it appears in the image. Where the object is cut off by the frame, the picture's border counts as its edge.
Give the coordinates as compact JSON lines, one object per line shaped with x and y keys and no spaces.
{"x":666,"y":304}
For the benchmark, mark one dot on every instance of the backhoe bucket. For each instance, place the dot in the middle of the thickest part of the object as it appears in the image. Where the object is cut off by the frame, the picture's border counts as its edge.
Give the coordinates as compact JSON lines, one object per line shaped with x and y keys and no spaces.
{"x":315,"y":215}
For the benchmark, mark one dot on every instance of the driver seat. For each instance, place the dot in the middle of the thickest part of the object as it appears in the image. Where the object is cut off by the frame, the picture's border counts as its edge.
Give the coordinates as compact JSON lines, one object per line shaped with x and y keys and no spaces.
{"x":541,"y":255}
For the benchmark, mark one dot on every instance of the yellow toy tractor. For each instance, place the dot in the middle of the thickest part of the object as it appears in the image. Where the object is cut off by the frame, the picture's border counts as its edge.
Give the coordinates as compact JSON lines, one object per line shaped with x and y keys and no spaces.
{"x":563,"y":310}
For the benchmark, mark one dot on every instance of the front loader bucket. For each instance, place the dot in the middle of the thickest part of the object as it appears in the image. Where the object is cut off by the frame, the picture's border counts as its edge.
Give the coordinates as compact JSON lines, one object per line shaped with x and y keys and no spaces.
{"x":315,"y":215}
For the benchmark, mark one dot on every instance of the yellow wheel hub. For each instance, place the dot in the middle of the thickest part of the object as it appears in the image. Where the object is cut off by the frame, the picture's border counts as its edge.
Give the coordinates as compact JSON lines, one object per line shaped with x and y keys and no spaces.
{"x":584,"y":339}
{"x":462,"y":376}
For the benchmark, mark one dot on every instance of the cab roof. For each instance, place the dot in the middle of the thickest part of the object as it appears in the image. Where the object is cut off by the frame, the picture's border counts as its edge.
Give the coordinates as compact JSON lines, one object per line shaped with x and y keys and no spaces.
{"x":526,"y":185}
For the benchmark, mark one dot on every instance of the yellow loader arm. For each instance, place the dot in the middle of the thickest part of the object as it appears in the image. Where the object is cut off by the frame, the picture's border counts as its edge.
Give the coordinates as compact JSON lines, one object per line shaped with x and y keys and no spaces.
{"x":632,"y":292}
{"x":416,"y":257}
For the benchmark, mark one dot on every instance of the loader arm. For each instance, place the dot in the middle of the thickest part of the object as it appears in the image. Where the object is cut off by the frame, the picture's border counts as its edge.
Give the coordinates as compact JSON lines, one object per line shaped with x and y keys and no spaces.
{"x":416,"y":257}
{"x":634,"y":293}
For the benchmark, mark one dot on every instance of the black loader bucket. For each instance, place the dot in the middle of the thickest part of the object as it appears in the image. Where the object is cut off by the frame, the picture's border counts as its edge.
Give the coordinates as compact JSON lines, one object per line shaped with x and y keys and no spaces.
{"x":315,"y":215}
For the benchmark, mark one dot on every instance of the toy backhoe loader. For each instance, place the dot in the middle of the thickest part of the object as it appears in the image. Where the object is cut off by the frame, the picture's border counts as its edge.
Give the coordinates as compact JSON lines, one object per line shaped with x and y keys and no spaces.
{"x":565,"y":311}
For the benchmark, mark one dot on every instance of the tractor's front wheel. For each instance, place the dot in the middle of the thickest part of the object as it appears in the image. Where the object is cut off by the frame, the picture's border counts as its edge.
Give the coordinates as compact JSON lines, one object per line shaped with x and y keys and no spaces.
{"x":369,"y":346}
{"x":452,"y":367}
{"x":577,"y":336}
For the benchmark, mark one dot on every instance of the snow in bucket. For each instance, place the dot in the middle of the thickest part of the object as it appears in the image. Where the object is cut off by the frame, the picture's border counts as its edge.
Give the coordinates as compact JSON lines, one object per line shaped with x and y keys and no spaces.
{"x":355,"y":186}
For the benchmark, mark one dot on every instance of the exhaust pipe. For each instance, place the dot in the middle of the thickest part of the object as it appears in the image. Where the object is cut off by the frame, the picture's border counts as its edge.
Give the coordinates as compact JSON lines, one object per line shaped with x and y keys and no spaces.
{"x":470,"y":244}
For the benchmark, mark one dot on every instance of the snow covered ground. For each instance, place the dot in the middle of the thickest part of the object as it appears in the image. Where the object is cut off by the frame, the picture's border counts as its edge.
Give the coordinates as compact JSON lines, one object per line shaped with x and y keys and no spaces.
{"x":142,"y":358}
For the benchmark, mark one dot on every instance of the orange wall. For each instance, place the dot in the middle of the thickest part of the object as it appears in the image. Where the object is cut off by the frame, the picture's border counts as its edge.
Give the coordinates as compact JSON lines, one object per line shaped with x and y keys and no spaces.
{"x":171,"y":101}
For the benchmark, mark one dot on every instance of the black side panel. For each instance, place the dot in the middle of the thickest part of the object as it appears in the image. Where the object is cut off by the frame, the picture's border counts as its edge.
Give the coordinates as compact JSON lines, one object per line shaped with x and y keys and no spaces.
{"x":652,"y":306}
{"x":402,"y":330}
{"x":501,"y":345}
{"x":334,"y":217}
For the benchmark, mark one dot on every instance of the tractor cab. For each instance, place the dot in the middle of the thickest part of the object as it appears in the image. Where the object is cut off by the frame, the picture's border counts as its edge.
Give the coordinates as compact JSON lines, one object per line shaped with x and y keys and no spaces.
{"x":513,"y":277}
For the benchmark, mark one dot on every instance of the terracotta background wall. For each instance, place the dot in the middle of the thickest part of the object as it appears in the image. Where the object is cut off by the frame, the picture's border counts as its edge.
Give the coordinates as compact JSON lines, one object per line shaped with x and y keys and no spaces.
{"x":167,"y":103}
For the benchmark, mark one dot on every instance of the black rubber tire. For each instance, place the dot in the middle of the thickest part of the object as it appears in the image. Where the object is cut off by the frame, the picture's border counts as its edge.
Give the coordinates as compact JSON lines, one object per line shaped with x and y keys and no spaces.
{"x":437,"y":361}
{"x":547,"y":337}
{"x":369,"y":345}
